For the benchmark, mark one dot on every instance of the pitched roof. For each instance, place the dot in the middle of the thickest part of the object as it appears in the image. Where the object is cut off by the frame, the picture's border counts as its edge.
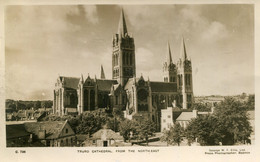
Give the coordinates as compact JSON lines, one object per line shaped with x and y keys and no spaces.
{"x":176,"y":114}
{"x":185,"y":116}
{"x":52,"y":128}
{"x":105,"y":85}
{"x":163,"y":87}
{"x":15,"y":131}
{"x":108,"y":133}
{"x":70,"y":82}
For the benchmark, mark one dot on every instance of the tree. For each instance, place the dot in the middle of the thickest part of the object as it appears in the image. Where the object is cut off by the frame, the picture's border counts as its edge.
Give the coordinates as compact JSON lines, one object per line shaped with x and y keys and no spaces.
{"x":174,"y":135}
{"x":43,"y":104}
{"x":250,"y":104}
{"x":206,"y":129}
{"x":37,"y":104}
{"x":90,"y":122}
{"x":234,"y":121}
{"x":145,"y":129}
{"x":126,"y":127}
{"x":201,"y":107}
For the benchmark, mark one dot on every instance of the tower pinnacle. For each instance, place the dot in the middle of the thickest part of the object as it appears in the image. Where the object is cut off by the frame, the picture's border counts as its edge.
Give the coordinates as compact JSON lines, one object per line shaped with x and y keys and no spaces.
{"x":183,"y":50}
{"x":122,"y":29}
{"x":169,"y":55}
{"x":102,"y":76}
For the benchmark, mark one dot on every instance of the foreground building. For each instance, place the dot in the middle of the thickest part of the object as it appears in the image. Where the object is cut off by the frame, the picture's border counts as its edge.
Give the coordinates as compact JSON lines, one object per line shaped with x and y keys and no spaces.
{"x":136,"y":96}
{"x":48,"y":133}
{"x":173,"y":115}
{"x":105,"y":138}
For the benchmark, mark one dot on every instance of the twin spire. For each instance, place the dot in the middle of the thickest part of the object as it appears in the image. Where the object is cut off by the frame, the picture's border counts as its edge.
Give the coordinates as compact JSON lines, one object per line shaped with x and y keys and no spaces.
{"x":183,"y":50}
{"x":183,"y":55}
{"x":169,"y":56}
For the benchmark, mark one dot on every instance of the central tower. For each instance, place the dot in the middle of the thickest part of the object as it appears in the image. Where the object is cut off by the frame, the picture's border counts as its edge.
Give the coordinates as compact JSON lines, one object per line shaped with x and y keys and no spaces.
{"x":123,"y":56}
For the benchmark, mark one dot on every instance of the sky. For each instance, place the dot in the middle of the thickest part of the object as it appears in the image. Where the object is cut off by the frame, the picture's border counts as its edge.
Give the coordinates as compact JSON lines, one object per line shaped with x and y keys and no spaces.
{"x":43,"y":42}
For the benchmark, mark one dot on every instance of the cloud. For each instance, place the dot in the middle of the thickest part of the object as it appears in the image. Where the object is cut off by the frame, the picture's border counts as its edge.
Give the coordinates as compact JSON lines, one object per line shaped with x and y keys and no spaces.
{"x":215,"y":31}
{"x":91,"y":13}
{"x":196,"y":23}
{"x":148,"y":64}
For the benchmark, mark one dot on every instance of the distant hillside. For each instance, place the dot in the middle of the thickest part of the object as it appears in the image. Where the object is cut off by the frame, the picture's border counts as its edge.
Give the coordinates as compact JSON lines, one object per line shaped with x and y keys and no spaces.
{"x":22,"y":105}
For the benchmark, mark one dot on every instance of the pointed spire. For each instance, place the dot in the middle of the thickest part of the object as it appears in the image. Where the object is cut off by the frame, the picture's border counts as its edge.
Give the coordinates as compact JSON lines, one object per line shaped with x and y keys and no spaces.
{"x":122,"y":29}
{"x":169,"y":55}
{"x":102,"y":73}
{"x":183,"y":50}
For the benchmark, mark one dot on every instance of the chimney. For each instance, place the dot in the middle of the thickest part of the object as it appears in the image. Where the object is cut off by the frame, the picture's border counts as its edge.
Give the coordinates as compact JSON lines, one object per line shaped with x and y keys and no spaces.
{"x":31,"y":138}
{"x":41,"y":133}
{"x":194,"y":113}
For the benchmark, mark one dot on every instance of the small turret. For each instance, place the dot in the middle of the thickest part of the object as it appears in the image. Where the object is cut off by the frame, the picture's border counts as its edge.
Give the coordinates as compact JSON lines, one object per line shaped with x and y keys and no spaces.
{"x":102,"y":76}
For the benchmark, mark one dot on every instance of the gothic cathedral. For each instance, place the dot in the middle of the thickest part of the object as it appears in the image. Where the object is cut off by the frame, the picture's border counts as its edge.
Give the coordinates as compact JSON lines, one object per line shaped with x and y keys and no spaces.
{"x":137,"y":97}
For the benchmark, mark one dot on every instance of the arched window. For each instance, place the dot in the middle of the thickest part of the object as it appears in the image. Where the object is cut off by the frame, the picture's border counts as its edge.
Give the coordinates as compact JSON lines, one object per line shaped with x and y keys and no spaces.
{"x":92,"y":100}
{"x":126,"y":57}
{"x":72,"y":100}
{"x":85,"y":100}
{"x":130,"y":58}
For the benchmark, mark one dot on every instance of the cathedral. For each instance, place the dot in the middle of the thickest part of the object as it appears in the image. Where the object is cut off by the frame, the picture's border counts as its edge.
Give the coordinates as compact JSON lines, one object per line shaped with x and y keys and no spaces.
{"x":137,"y":97}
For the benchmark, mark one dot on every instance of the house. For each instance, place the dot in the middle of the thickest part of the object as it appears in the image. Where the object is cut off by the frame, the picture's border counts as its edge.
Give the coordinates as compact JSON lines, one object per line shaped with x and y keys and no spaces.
{"x":104,"y":138}
{"x":17,"y":136}
{"x":172,"y":115}
{"x":52,"y":133}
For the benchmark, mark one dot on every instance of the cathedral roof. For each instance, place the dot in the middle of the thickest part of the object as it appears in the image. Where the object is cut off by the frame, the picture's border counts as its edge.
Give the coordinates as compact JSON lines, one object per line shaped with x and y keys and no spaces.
{"x":105,"y":85}
{"x":163,"y":87}
{"x":70,"y":82}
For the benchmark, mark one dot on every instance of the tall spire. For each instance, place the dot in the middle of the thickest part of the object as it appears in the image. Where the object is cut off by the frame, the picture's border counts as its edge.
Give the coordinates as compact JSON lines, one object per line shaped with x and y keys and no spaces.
{"x":102,"y":73}
{"x":183,"y":50}
{"x":122,"y":29}
{"x":169,"y":55}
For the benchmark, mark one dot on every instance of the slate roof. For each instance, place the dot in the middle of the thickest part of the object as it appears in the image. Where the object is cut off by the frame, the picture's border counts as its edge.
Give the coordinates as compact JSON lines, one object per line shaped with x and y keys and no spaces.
{"x":53,"y":128}
{"x":109,"y":134}
{"x":176,"y":114}
{"x":187,"y":116}
{"x":163,"y":87}
{"x":70,"y":82}
{"x":105,"y":85}
{"x":16,"y":131}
